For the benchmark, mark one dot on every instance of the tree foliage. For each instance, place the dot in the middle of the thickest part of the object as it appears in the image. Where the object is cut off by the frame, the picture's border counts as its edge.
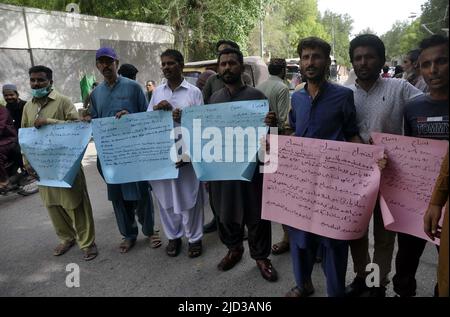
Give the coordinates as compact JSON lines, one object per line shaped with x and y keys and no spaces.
{"x":435,"y":15}
{"x":339,"y":27}
{"x":197,"y":24}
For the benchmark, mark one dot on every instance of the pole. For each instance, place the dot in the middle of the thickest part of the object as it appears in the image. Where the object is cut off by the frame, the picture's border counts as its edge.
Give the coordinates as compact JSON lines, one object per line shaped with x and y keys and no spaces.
{"x":332,"y":34}
{"x":261,"y":30}
{"x":28,"y":37}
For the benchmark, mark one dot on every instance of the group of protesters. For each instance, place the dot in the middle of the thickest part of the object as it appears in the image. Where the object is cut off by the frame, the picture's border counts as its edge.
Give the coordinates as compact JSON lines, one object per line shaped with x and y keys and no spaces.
{"x":321,"y":109}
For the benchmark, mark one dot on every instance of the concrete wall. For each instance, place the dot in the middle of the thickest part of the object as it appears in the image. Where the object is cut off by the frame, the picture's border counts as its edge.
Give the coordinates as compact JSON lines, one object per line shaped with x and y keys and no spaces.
{"x":67,"y":42}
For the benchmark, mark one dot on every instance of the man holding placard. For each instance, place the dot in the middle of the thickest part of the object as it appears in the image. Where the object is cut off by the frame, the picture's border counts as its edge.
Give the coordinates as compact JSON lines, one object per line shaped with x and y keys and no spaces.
{"x":424,"y":117}
{"x":238,"y":203}
{"x":117,"y":96}
{"x":180,"y":200}
{"x":321,"y":110}
{"x":69,"y":208}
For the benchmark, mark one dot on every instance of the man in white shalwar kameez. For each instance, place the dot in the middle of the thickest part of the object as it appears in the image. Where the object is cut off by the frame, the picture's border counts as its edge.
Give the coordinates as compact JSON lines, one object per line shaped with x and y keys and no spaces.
{"x":180,"y":200}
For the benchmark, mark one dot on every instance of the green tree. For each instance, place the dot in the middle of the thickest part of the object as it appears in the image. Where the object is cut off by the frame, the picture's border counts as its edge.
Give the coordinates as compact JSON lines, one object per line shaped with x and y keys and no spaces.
{"x":197,"y":24}
{"x":392,"y":40}
{"x":285,"y":23}
{"x":435,"y":15}
{"x":367,"y":30}
{"x":339,"y":27}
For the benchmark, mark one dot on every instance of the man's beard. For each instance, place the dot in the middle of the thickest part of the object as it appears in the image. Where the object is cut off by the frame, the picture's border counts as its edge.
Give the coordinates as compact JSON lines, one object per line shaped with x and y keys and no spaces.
{"x":231,"y":78}
{"x":321,"y":75}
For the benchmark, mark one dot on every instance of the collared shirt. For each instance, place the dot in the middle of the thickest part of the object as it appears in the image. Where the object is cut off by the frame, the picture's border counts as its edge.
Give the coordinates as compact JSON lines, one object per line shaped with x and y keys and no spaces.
{"x":56,"y":108}
{"x":381,"y":108}
{"x":278,"y":94}
{"x":183,"y":96}
{"x":331,"y":115}
{"x":181,"y":194}
{"x":106,"y":101}
{"x":125,"y":94}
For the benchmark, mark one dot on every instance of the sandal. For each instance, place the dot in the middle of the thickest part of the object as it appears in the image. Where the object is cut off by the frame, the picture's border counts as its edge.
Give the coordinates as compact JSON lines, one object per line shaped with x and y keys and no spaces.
{"x":90,"y":252}
{"x":126,"y":245}
{"x":63,"y":247}
{"x":280,"y":248}
{"x":195,"y":249}
{"x":155,"y":240}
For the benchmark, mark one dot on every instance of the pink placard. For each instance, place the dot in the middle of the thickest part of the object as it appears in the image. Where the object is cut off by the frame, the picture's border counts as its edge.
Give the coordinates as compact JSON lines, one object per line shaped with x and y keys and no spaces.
{"x":408,"y":180}
{"x":324,"y":187}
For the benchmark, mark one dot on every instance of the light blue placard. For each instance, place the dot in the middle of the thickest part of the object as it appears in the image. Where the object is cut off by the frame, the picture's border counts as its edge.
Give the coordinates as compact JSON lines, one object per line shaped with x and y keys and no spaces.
{"x":214,"y":131}
{"x":55,"y":151}
{"x":135,"y":147}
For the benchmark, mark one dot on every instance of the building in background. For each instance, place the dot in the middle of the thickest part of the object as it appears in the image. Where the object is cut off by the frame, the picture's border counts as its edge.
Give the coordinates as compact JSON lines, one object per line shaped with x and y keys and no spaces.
{"x":66,"y":42}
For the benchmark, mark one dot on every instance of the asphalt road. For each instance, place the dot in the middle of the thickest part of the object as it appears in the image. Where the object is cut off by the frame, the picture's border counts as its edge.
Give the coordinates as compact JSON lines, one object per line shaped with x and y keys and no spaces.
{"x":28,"y":268}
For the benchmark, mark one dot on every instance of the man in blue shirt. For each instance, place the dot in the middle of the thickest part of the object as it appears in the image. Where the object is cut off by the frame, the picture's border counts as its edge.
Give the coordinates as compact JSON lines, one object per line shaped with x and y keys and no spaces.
{"x":320,"y":110}
{"x":118,"y":96}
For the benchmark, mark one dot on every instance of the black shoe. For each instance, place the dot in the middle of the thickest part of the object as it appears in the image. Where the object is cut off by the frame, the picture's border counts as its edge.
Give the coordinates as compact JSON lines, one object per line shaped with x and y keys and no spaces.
{"x":173,"y":248}
{"x":356,"y":288}
{"x":377,"y":292}
{"x":210,"y":227}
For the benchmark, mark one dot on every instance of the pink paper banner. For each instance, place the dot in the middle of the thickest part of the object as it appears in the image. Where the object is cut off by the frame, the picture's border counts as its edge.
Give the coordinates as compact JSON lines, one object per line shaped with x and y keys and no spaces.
{"x":408,"y":180}
{"x":324,"y":187}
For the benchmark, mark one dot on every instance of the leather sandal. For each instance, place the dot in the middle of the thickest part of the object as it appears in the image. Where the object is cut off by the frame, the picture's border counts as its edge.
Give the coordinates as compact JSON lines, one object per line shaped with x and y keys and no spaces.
{"x":90,"y":252}
{"x":195,"y":249}
{"x":63,"y":247}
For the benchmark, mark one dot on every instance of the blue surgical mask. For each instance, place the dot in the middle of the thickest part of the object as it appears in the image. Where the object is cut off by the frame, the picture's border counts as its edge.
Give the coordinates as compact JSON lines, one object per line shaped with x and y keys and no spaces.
{"x":41,"y":92}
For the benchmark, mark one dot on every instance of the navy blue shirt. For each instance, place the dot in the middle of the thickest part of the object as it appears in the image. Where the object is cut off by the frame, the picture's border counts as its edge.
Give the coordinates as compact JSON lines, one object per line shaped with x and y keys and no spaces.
{"x":329,"y":116}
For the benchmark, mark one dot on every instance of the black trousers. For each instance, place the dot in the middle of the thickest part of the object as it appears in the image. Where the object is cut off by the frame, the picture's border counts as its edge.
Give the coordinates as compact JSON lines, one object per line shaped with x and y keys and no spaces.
{"x":410,"y":249}
{"x":259,"y":236}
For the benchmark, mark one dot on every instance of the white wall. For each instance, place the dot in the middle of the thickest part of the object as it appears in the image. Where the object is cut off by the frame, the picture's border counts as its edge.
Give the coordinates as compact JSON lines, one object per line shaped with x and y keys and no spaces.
{"x":67,"y":42}
{"x":61,"y":30}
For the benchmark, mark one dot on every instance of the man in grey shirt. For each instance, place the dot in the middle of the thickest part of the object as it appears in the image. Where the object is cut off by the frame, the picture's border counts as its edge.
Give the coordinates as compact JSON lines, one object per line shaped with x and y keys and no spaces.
{"x":379,"y":108}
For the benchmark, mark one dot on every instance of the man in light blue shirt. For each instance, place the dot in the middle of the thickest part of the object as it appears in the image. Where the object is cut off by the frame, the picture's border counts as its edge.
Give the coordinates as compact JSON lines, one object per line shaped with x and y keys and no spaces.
{"x":118,"y":96}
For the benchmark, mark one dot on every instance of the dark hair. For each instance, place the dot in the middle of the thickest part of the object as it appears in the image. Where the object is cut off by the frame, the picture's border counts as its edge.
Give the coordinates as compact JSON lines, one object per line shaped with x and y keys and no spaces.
{"x":150,"y":82}
{"x":231,"y":51}
{"x":385,"y":69}
{"x":369,"y":40}
{"x":175,"y":55}
{"x":413,"y":55}
{"x":398,"y":70}
{"x":227,"y":42}
{"x":314,"y":42}
{"x":41,"y":69}
{"x":434,"y":40}
{"x":277,"y":66}
{"x":128,"y":71}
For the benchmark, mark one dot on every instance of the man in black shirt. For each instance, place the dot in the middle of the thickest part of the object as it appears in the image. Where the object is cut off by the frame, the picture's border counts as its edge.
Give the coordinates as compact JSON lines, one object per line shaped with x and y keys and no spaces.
{"x":241,"y":200}
{"x":425,"y":117}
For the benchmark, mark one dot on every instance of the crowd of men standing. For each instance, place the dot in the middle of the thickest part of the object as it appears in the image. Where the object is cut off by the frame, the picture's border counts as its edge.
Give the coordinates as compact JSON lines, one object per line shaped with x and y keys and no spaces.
{"x":321,"y":110}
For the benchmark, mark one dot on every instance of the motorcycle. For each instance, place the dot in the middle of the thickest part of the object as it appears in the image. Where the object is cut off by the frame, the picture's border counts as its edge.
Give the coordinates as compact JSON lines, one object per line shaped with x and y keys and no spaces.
{"x":20,"y":181}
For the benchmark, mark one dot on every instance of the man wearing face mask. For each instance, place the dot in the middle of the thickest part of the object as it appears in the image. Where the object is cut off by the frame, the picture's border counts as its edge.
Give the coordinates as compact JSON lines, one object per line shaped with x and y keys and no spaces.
{"x":69,"y":208}
{"x":13,"y":103}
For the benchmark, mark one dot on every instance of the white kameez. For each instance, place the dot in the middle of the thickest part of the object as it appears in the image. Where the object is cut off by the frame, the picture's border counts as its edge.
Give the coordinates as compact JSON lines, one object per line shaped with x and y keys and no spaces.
{"x":181,"y":204}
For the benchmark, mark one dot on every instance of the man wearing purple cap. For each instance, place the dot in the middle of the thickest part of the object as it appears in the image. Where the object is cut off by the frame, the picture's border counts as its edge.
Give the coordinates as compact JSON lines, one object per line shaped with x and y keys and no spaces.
{"x":114,"y":97}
